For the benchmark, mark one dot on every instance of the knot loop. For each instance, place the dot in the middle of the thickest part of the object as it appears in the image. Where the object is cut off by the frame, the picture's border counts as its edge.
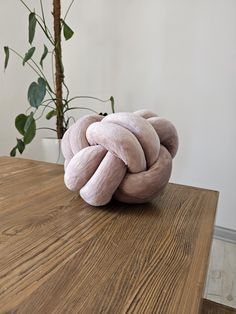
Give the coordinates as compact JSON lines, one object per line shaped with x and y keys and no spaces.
{"x":124,"y":155}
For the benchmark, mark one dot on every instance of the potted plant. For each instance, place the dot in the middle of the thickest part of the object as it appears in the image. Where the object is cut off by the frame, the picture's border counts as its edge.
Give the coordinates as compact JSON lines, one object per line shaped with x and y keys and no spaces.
{"x":46,"y":99}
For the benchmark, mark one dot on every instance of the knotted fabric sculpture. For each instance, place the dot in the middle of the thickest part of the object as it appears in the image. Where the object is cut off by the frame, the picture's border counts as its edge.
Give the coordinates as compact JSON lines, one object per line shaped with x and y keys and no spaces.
{"x":127,"y":156}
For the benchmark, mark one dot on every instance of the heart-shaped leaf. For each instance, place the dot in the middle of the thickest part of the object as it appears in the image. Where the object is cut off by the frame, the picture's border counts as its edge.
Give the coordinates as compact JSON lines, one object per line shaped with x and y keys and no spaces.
{"x":67,"y":31}
{"x":42,"y":82}
{"x":36,"y":92}
{"x":31,"y":131}
{"x":20,"y":123}
{"x":32,"y":26}
{"x":13,"y":151}
{"x":20,"y":145}
{"x":28,"y":55}
{"x":45,"y":52}
{"x":6,"y":50}
{"x":28,"y":122}
{"x":27,"y":127}
{"x":51,"y":114}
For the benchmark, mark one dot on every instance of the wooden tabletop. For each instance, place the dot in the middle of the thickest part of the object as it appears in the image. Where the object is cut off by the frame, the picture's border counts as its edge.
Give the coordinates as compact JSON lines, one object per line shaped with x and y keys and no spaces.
{"x":60,"y":255}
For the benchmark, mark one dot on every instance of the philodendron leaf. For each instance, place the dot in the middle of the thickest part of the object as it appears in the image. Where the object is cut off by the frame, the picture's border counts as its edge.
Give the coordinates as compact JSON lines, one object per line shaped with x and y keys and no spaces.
{"x":20,"y":145}
{"x":45,"y":52}
{"x":20,"y":123}
{"x":36,"y":92}
{"x":67,"y":31}
{"x":27,"y":127}
{"x":13,"y":151}
{"x":30,"y":133}
{"x":6,"y":50}
{"x":51,"y":114}
{"x":32,"y":26}
{"x":42,"y":81}
{"x":28,"y":122}
{"x":28,"y":55}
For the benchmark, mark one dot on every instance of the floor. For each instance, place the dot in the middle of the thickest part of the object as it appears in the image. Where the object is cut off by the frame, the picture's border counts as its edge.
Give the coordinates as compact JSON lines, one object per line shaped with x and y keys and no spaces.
{"x":221,"y":278}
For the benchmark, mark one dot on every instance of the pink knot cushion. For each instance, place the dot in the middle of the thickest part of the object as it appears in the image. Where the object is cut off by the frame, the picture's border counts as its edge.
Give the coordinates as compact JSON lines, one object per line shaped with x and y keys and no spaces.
{"x":127,"y":156}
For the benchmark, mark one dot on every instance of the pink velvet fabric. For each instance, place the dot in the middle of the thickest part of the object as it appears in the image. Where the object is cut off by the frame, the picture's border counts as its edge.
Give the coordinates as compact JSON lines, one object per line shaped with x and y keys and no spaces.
{"x":124,"y":155}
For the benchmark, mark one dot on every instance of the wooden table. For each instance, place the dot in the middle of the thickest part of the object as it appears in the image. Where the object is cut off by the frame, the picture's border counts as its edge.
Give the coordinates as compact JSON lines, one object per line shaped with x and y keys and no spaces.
{"x":60,"y":255}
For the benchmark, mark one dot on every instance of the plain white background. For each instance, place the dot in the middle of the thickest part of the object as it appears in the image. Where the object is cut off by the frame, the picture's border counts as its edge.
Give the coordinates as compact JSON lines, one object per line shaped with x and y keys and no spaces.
{"x":176,"y":58}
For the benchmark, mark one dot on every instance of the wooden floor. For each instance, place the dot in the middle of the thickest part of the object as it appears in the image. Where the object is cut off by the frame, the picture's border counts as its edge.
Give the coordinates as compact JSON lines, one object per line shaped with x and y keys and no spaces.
{"x":221,"y":279}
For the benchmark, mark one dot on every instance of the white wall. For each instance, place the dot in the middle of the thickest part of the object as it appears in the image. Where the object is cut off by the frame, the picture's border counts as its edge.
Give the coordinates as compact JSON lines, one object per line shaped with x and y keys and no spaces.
{"x":177,"y":58}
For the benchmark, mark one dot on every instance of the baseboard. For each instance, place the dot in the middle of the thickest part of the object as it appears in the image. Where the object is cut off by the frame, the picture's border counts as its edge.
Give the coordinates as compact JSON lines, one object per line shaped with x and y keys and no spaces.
{"x":225,"y":234}
{"x":209,"y":307}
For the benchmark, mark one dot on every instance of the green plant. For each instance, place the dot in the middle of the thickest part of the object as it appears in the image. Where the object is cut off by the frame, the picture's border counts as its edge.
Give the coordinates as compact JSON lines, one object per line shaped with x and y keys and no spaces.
{"x":47,"y":99}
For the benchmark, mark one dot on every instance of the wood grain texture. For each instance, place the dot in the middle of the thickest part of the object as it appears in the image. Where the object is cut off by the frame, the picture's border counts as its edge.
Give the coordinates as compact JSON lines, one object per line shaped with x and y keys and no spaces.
{"x":210,"y":307}
{"x":60,"y":255}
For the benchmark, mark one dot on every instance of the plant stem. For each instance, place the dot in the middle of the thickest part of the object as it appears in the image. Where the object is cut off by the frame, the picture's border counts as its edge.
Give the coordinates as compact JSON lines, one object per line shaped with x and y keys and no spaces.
{"x":67,"y":11}
{"x":46,"y":30}
{"x":45,"y":107}
{"x":48,"y":106}
{"x":20,"y":56}
{"x":89,"y":97}
{"x":25,"y":5}
{"x":84,"y":108}
{"x":40,"y":73}
{"x":46,"y":129}
{"x":43,"y":17}
{"x":68,"y":121}
{"x":59,"y":76}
